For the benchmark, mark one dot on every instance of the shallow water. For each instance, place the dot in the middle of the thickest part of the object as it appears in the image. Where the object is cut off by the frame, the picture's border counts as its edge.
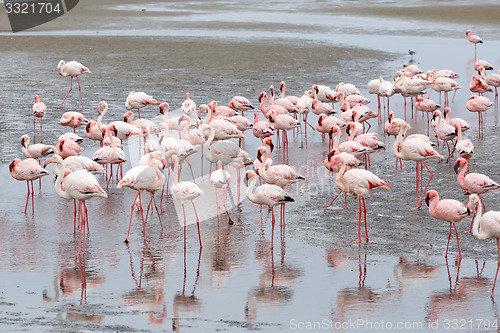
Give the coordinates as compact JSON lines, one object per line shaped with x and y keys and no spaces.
{"x":315,"y":277}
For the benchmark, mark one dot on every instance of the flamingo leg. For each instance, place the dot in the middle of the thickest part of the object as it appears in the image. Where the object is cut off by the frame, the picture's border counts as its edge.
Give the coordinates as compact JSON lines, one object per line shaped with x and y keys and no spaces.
{"x":156,"y":207}
{"x":27,"y":196}
{"x":70,"y":88}
{"x":458,"y":243}
{"x":142,"y":216}
{"x":359,"y":223}
{"x":333,"y":199}
{"x":80,"y":90}
{"x":273,"y":221}
{"x":185,"y":224}
{"x":498,"y":266}
{"x":82,"y":227}
{"x":197,"y":224}
{"x":364,"y":212}
{"x":448,"y":244}
{"x":131,"y":213}
{"x":419,"y":203}
{"x":74,"y":216}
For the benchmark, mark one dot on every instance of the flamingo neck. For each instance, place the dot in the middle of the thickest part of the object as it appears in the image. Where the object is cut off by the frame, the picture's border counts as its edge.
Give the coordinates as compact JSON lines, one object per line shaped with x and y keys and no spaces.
{"x":397,"y":143}
{"x":338,"y":180}
{"x":477,"y":221}
{"x":57,"y":186}
{"x":263,"y":105}
{"x":99,"y":120}
{"x":175,"y":179}
{"x":262,"y":166}
{"x":160,"y":177}
{"x":250,"y":194}
{"x":337,"y":139}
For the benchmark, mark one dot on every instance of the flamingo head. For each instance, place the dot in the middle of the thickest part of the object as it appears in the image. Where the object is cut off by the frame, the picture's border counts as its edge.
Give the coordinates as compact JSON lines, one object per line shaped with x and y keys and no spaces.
{"x":13,"y":164}
{"x":468,"y":32}
{"x":460,"y":162}
{"x":473,"y":199}
{"x":102,"y":105}
{"x":268,"y":141}
{"x":163,"y":107}
{"x":60,"y":145}
{"x":282,"y":86}
{"x":249,"y":175}
{"x":25,"y":139}
{"x":128,"y":116}
{"x":321,"y":117}
{"x":262,"y":95}
{"x":59,"y":67}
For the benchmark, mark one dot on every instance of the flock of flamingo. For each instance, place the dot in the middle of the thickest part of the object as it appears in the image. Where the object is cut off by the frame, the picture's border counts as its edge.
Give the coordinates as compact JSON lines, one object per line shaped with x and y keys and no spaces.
{"x":350,"y":160}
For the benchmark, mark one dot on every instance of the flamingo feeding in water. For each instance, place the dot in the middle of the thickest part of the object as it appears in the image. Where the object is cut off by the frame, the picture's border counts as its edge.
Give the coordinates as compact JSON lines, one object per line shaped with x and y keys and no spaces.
{"x":28,"y":170}
{"x":486,"y":226}
{"x":39,"y":109}
{"x":266,"y":194}
{"x":72,"y":69}
{"x":448,"y":210}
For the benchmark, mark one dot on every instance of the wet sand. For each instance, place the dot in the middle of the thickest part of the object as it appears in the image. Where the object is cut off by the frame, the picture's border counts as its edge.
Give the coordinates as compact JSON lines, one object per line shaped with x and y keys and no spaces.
{"x":236,"y":283}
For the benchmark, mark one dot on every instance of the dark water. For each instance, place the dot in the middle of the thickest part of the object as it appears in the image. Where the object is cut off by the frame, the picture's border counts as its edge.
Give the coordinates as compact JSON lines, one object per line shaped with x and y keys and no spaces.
{"x":315,"y":277}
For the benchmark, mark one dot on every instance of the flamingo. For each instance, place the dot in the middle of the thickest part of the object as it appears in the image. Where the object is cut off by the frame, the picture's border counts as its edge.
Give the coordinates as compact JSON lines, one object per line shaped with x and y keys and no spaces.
{"x":188,"y":106}
{"x":220,"y":179}
{"x":492,"y":79}
{"x":475,"y":39}
{"x":224,"y":128}
{"x":185,"y":191}
{"x":277,"y":174}
{"x":78,"y":185}
{"x":66,"y":148}
{"x":266,"y":194}
{"x":448,"y":210}
{"x":286,"y":103}
{"x":109,"y":154}
{"x":413,"y":69}
{"x":479,"y":104}
{"x":325,"y":125}
{"x":295,"y":100}
{"x":73,"y":119}
{"x":213,"y":151}
{"x":123,"y":129}
{"x":138,"y":100}
{"x":481,"y":62}
{"x":347,"y":89}
{"x":92,"y":132}
{"x":325,"y":94}
{"x":476,"y":183}
{"x":373,"y":88}
{"x":464,"y":126}
{"x":418,"y":150}
{"x":143,"y":178}
{"x":447,"y":73}
{"x":440,"y":84}
{"x":28,"y":170}
{"x":385,"y":89}
{"x":351,"y":162}
{"x":486,"y":226}
{"x":269,"y":161}
{"x":39,"y":109}
{"x":75,"y":163}
{"x":426,"y":105}
{"x":319,"y":108}
{"x":73,"y":69}
{"x":479,"y":85}
{"x":283,"y":122}
{"x":240,"y":103}
{"x":444,"y":131}
{"x":359,"y":182}
{"x":463,"y":147}
{"x":143,"y":124}
{"x":37,"y":150}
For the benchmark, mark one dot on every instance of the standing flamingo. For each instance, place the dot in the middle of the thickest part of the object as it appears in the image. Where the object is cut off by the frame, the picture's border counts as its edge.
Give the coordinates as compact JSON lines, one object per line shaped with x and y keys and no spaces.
{"x":37,"y":150}
{"x":240,"y":103}
{"x":185,"y":191}
{"x":73,"y":69}
{"x":188,"y":106}
{"x":39,"y":109}
{"x":73,"y":119}
{"x":418,"y":150}
{"x":266,"y":194}
{"x":144,"y":178}
{"x":476,"y":183}
{"x":262,"y":128}
{"x":359,"y":182}
{"x":475,"y":39}
{"x":463,"y":147}
{"x":220,"y":179}
{"x":28,"y":170}
{"x":138,"y":100}
{"x":78,"y":185}
{"x":479,"y":104}
{"x":486,"y":226}
{"x":448,"y":210}
{"x":492,"y":79}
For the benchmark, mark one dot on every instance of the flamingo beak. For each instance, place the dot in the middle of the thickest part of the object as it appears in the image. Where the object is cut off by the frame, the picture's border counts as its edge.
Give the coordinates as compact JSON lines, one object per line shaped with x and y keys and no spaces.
{"x":99,"y":110}
{"x":259,"y":156}
{"x":181,"y":119}
{"x":427,"y":200}
{"x":271,"y":146}
{"x":457,"y":165}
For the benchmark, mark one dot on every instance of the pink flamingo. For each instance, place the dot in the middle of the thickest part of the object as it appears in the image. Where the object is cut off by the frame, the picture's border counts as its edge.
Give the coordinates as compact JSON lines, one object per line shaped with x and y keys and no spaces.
{"x":359,"y":182}
{"x":269,"y":160}
{"x":283,"y":122}
{"x":286,"y":103}
{"x":319,"y":108}
{"x":448,"y":210}
{"x":418,"y":150}
{"x":185,"y":191}
{"x":92,"y":132}
{"x":266,"y":109}
{"x":144,"y":178}
{"x":413,"y":69}
{"x":479,"y":104}
{"x":444,"y":132}
{"x":475,"y":39}
{"x":492,"y":79}
{"x":476,"y":183}
{"x":442,"y":84}
{"x":73,"y":119}
{"x":463,"y":147}
{"x":220,"y":179}
{"x":325,"y":94}
{"x":28,"y":170}
{"x":143,"y":124}
{"x":479,"y":86}
{"x":72,"y":69}
{"x":481,"y":62}
{"x":78,"y":185}
{"x":427,"y":106}
{"x":188,"y":106}
{"x":350,"y":160}
{"x":138,"y":100}
{"x":347,"y":88}
{"x":75,"y":163}
{"x":37,"y":150}
{"x":454,"y":121}
{"x":240,"y":103}
{"x":385,"y":90}
{"x":266,"y":194}
{"x":486,"y":226}
{"x":224,"y":128}
{"x":109,"y":154}
{"x":262,"y":128}
{"x":325,"y":125}
{"x":39,"y":109}
{"x":368,"y":140}
{"x":66,"y":148}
